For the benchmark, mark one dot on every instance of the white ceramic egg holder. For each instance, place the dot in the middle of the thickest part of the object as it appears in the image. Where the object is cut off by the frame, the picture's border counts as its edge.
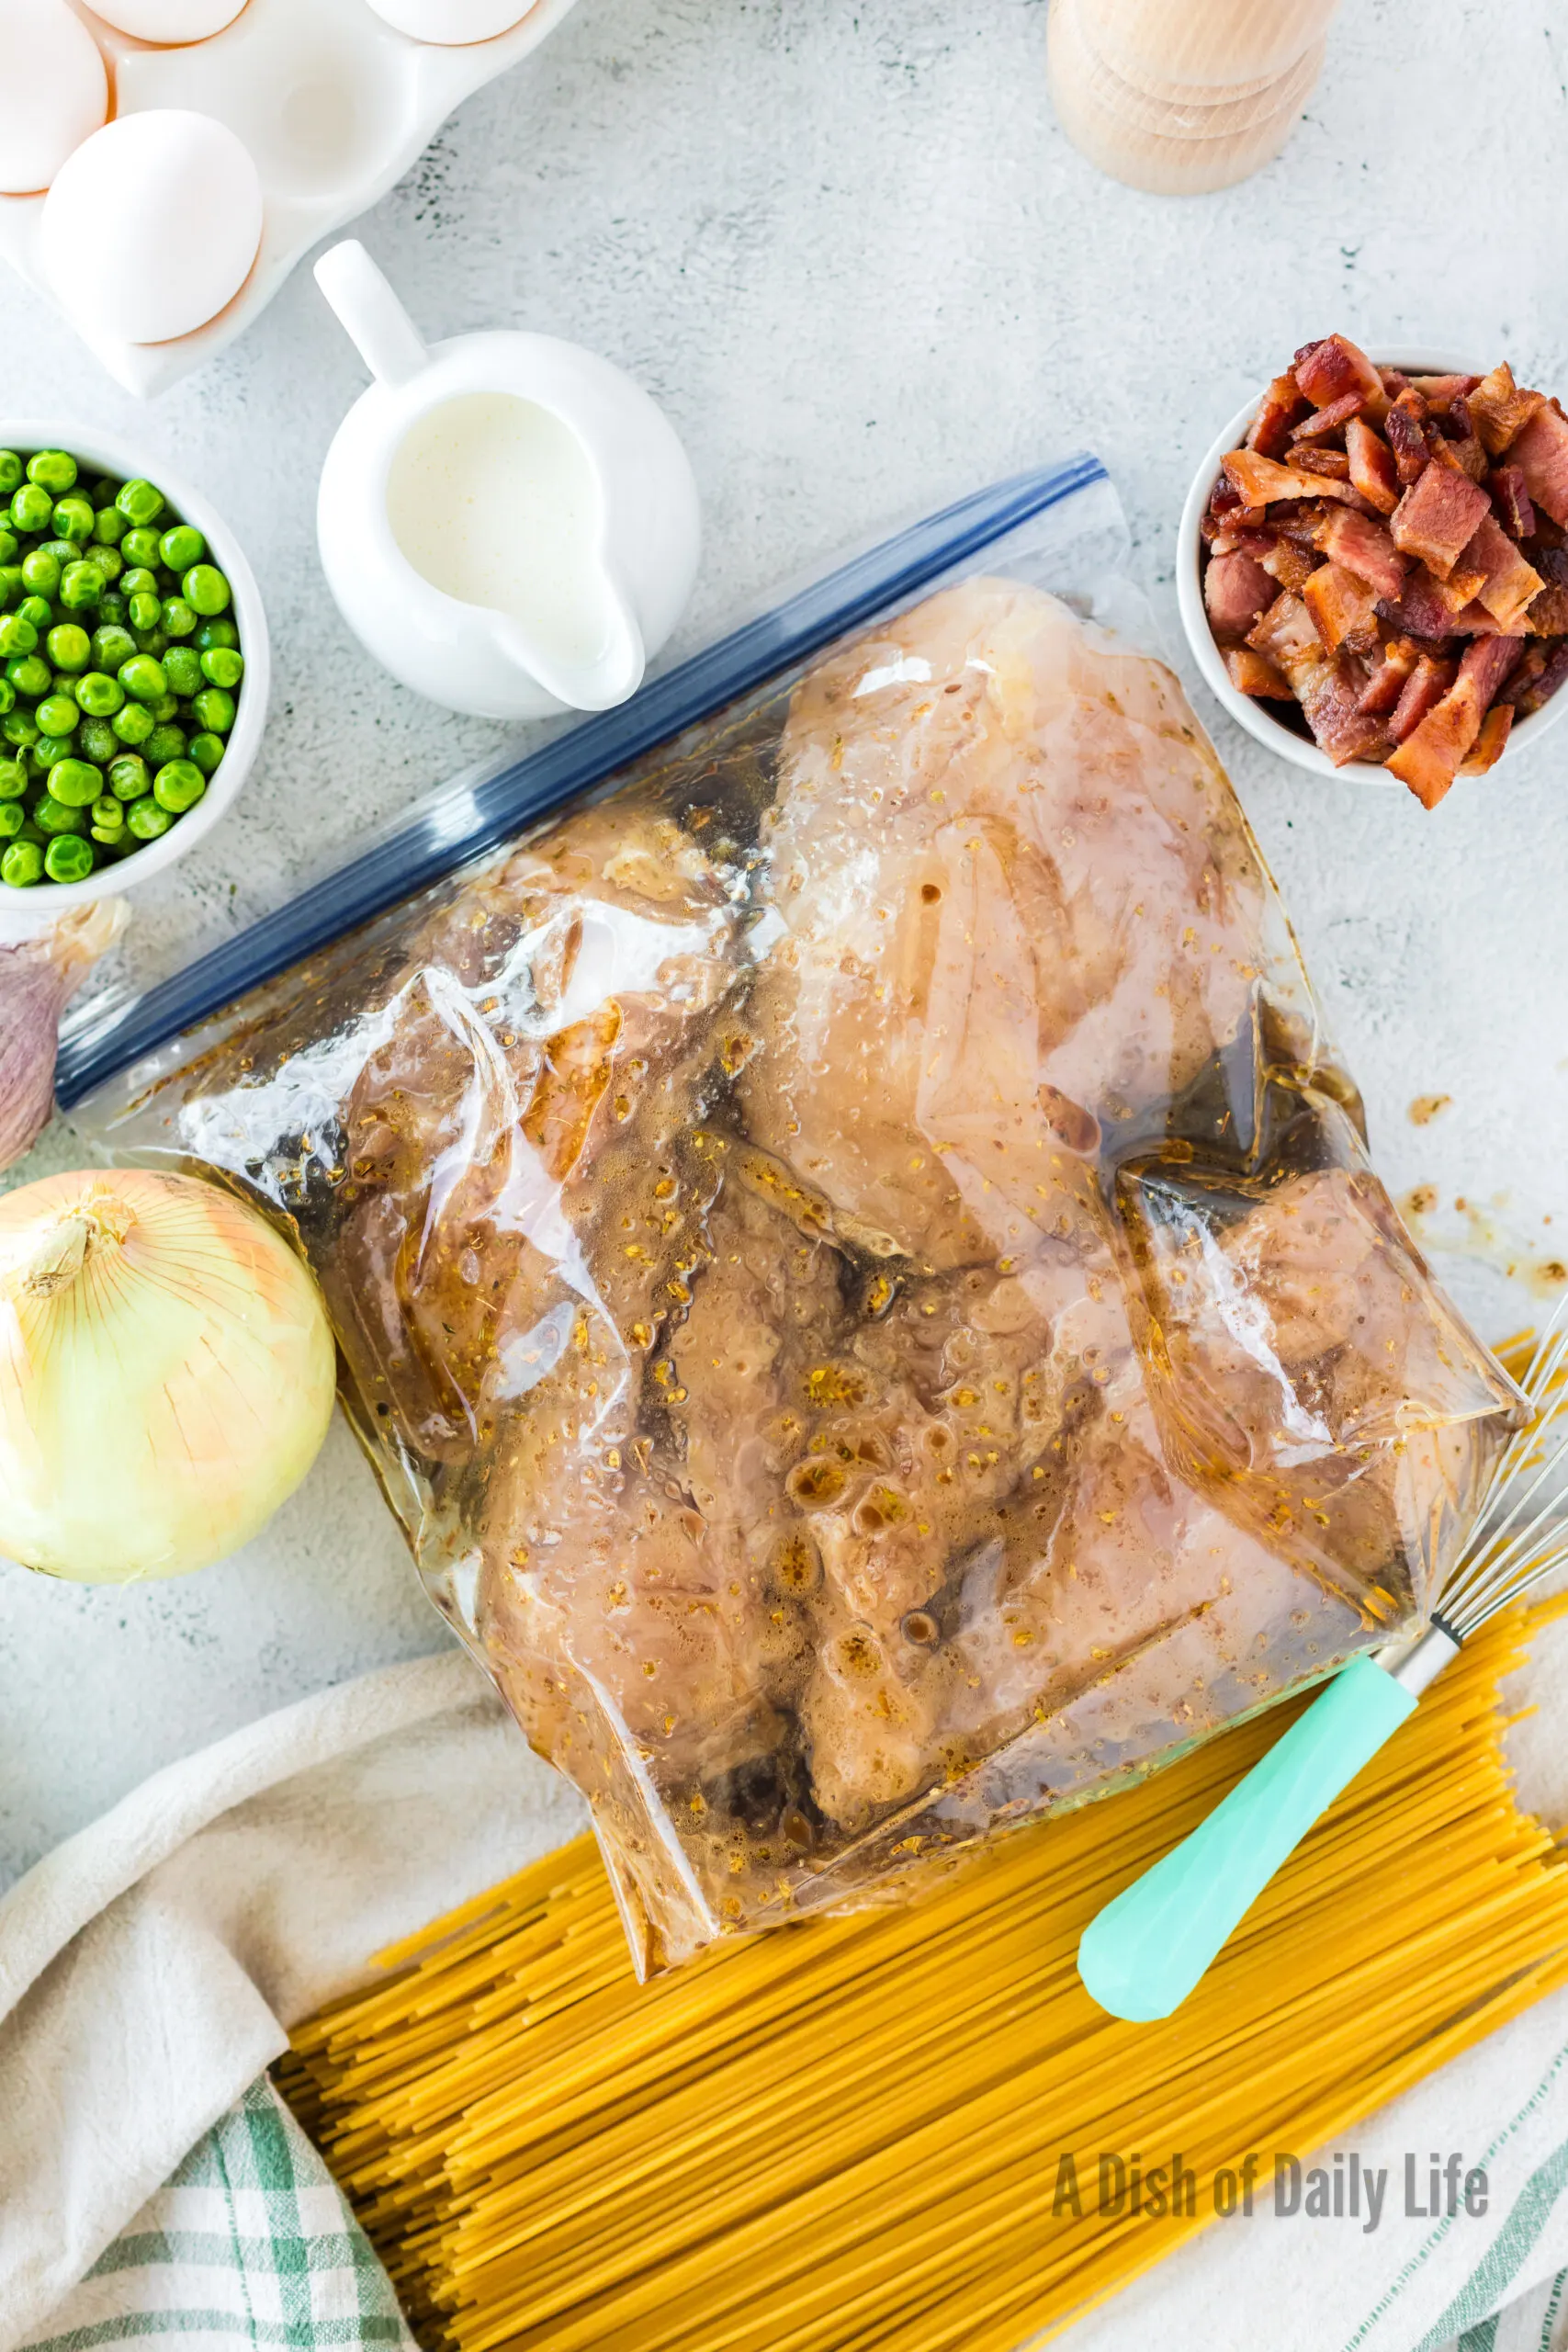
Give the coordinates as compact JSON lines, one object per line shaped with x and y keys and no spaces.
{"x":333,"y":106}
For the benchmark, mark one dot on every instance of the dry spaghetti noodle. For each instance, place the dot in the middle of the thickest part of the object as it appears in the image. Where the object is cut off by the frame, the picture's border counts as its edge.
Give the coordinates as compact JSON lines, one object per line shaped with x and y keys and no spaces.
{"x":853,"y":2133}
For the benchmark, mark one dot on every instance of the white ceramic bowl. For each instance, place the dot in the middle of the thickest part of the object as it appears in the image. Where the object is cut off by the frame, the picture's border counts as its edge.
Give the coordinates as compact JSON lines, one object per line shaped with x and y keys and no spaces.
{"x":24,"y":912}
{"x":1254,"y":715}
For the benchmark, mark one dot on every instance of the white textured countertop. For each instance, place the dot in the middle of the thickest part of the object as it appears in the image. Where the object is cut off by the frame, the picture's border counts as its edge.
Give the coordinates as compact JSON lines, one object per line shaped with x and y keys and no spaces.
{"x":845,"y":245}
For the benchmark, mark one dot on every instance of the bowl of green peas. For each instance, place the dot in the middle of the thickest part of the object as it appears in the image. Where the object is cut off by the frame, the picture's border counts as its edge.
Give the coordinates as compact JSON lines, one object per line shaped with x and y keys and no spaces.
{"x":134,"y":671}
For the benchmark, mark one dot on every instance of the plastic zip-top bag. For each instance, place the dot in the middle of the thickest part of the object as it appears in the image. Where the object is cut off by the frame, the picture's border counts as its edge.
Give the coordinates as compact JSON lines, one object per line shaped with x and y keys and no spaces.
{"x":852,"y":1259}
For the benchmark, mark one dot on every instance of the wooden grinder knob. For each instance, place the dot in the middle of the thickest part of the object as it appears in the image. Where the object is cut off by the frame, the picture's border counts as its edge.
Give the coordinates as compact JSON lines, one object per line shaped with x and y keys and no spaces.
{"x":1180,"y":96}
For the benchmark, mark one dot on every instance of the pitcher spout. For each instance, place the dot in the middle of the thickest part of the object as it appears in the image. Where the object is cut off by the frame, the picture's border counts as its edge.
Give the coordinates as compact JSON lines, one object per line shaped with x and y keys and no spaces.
{"x":595,"y":679}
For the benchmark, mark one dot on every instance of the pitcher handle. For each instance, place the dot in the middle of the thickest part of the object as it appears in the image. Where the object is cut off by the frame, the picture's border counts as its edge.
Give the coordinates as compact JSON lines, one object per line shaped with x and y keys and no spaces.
{"x":389,"y":341}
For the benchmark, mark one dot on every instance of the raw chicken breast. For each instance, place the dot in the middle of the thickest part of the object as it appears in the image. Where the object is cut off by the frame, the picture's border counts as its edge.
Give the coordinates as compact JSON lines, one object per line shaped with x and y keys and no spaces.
{"x":857,"y":1268}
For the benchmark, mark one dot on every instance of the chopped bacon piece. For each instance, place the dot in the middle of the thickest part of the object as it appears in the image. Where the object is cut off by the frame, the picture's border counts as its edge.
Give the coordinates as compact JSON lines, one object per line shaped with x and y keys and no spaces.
{"x":1236,"y":590}
{"x":1343,"y":607}
{"x":1437,"y":518}
{"x":1507,"y":582}
{"x":1311,"y":460}
{"x":1324,"y":422}
{"x":1540,"y":453}
{"x":1292,"y":566}
{"x":1501,"y":410}
{"x":1406,"y":426}
{"x":1364,"y":548}
{"x":1371,"y":466}
{"x":1250,"y":674}
{"x":1393,"y":382}
{"x":1512,"y":499}
{"x":1441,"y":391}
{"x":1548,"y":613}
{"x":1425,"y":686}
{"x":1462,"y":443}
{"x":1301,"y":522}
{"x":1333,"y":368}
{"x":1276,"y":411}
{"x":1328,"y":692}
{"x":1285,"y":635}
{"x":1386,"y":686}
{"x":1224,"y":495}
{"x":1460,"y":589}
{"x":1259,"y":480}
{"x":1492,"y":742}
{"x":1543,"y":687}
{"x":1421,"y":611}
{"x":1530,"y":667}
{"x":1428,"y":758}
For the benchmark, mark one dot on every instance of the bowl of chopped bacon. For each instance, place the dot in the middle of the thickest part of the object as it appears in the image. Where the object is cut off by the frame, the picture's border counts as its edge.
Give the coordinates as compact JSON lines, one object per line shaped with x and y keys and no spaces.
{"x":1373,"y":567}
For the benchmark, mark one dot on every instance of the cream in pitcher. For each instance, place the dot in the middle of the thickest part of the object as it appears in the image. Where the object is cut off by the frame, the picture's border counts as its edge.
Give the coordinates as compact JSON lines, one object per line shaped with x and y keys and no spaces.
{"x":524,"y":519}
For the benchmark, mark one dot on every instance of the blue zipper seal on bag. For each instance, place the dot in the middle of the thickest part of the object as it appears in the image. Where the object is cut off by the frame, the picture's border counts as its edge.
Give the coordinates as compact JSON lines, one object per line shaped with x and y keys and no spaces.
{"x":429,"y":847}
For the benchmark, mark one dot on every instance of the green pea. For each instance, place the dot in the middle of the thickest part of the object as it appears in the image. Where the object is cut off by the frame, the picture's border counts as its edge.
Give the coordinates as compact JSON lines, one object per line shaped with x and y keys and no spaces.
{"x":13,"y":817}
{"x":133,"y":724}
{"x":20,"y":729}
{"x":54,"y":471}
{"x":52,"y":816}
{"x":109,"y":525}
{"x":37,"y":609}
{"x":179,"y":621}
{"x":40,"y":571}
{"x":81,"y":585}
{"x":68,"y":861}
{"x":206,"y":750}
{"x":12,"y":780}
{"x":212,"y":634}
{"x":223,"y":667}
{"x":12,"y":472}
{"x":182,"y":667}
{"x":31,"y":508}
{"x":111,"y":609}
{"x":147,"y":820}
{"x":214,"y":710}
{"x":205,"y":587}
{"x":76,"y":783}
{"x":28,"y":674}
{"x":9,"y":543}
{"x":112,"y":649}
{"x":99,"y":696}
{"x":57,"y":715}
{"x":105,"y":561}
{"x":74,"y":520}
{"x":165,"y":710}
{"x":151,"y":640}
{"x":108,"y":812}
{"x":129,"y":777}
{"x":17,"y":634}
{"x":22,"y":865}
{"x":140,"y":550}
{"x":50,"y":749}
{"x":178,"y":785}
{"x":97,"y":740}
{"x":146,"y":611}
{"x":165,"y":744}
{"x":70,"y":648}
{"x":8,"y":697}
{"x":140,"y":503}
{"x":138,"y":580}
{"x":182,"y":546}
{"x":105,"y":491}
{"x":12,"y":587}
{"x":141,"y":677}
{"x":62,"y":551}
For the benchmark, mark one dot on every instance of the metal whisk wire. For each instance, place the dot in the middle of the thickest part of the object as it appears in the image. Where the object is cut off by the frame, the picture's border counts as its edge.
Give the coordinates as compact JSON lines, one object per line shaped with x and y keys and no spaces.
{"x":1507,"y":1552}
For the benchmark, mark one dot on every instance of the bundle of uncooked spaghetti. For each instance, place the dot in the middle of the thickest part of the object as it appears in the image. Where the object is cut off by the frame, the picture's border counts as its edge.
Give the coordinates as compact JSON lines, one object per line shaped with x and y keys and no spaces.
{"x":856,"y":2132}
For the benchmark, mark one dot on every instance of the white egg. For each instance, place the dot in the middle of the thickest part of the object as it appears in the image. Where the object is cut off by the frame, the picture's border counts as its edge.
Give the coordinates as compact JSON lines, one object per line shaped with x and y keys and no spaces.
{"x":56,"y":91}
{"x":153,"y":226}
{"x":172,"y":22}
{"x":452,"y":23}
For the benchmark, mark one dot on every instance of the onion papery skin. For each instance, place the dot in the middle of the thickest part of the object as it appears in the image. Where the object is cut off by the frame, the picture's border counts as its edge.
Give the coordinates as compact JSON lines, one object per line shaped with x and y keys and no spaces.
{"x":166,"y":1375}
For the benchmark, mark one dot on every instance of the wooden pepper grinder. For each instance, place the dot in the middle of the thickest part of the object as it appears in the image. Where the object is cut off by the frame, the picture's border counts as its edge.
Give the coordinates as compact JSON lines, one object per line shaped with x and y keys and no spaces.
{"x":1180,"y":96}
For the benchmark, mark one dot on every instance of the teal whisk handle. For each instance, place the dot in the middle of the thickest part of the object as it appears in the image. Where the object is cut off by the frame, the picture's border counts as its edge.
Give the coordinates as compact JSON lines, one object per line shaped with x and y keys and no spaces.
{"x":1145,"y":1952}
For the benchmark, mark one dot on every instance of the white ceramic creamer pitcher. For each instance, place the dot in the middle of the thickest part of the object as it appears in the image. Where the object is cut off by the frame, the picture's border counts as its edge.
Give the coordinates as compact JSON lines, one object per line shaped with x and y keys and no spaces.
{"x":508,"y":523}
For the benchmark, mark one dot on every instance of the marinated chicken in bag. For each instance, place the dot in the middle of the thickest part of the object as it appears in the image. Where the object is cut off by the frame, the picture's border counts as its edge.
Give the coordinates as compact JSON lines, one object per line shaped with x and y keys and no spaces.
{"x":857,"y":1271}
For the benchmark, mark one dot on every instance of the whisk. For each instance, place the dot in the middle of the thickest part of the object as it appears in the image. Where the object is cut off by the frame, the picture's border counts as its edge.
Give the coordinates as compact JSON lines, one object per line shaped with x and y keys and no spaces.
{"x":1143,"y":1954}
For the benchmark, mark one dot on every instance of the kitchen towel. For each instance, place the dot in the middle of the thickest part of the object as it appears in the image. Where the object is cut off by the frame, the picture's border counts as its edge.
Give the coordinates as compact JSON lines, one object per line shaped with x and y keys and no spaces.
{"x":150,"y":1967}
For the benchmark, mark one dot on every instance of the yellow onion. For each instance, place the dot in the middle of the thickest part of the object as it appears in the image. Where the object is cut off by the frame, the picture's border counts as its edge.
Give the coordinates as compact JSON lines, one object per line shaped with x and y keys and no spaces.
{"x":166,"y":1375}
